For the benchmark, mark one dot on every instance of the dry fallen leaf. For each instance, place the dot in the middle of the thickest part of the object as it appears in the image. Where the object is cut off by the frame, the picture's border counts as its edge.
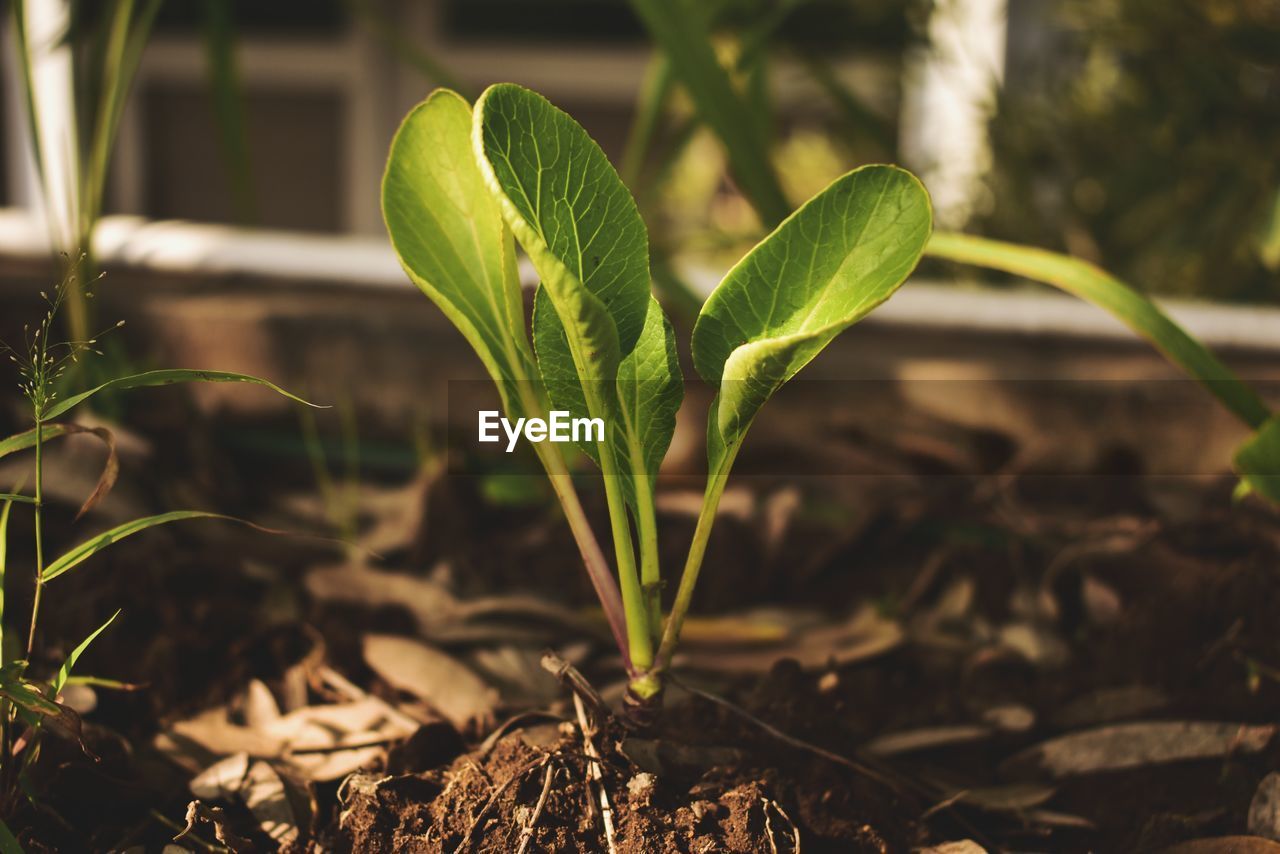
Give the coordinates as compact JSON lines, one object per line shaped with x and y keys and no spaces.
{"x":1264,"y":810}
{"x":1133,"y":745}
{"x":1225,"y":845}
{"x":926,"y":738}
{"x":450,"y":687}
{"x":314,"y":743}
{"x":255,"y":784}
{"x":963,"y":846}
{"x":1109,"y":704}
{"x":865,"y":635}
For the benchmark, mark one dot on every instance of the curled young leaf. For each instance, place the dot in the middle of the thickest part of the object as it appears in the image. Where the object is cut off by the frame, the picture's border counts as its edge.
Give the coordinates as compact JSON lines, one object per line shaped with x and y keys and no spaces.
{"x":825,"y":267}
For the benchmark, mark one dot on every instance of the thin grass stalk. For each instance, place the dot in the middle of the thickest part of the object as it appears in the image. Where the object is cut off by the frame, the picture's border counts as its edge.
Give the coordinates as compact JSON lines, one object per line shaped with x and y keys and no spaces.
{"x":39,"y":534}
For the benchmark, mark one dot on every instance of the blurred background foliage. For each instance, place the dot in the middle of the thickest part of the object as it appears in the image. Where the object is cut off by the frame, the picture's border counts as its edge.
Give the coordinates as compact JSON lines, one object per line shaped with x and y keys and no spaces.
{"x":1144,"y":135}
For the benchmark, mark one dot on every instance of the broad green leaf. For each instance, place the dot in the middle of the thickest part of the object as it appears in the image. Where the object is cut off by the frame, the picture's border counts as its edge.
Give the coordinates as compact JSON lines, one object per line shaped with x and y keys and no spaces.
{"x":573,"y":216}
{"x":1258,"y":461}
{"x":64,"y":672}
{"x":448,"y":233}
{"x":827,"y":266}
{"x":1140,"y":314}
{"x":92,"y":546}
{"x":167,"y":376}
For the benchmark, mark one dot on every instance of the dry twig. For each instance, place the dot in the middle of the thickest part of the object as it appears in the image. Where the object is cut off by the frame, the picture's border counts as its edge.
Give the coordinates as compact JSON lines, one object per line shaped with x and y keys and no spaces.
{"x":595,"y":773}
{"x":526,"y":833}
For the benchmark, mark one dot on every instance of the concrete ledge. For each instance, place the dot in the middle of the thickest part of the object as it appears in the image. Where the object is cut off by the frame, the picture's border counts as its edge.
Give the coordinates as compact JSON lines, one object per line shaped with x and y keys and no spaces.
{"x":359,"y":263}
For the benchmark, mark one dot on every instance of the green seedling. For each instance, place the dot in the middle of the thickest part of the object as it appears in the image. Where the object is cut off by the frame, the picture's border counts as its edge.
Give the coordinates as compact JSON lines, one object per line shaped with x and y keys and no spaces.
{"x":461,"y":182}
{"x":32,"y":705}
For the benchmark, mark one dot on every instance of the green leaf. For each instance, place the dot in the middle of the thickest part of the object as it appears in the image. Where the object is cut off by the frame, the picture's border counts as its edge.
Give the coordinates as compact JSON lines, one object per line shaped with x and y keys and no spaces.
{"x":92,"y":546}
{"x":8,"y":497}
{"x":1140,"y":314}
{"x":1258,"y":461}
{"x":559,"y":373}
{"x":168,"y":376}
{"x":647,"y":391}
{"x":573,"y":216}
{"x":27,"y":696}
{"x":650,"y":388}
{"x":27,"y":439}
{"x":64,"y":672}
{"x":448,"y":233}
{"x":829,"y":264}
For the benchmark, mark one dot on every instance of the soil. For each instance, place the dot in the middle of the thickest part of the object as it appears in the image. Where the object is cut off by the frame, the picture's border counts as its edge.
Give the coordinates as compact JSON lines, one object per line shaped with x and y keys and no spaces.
{"x":1028,"y":608}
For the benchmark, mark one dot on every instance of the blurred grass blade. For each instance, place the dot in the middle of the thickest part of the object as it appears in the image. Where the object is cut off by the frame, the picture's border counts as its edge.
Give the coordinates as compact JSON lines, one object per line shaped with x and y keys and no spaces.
{"x":650,"y":104}
{"x":108,"y":684}
{"x":64,"y":672}
{"x":91,"y":547}
{"x":8,"y":498}
{"x":8,"y":842}
{"x":27,"y":79}
{"x":169,"y":376}
{"x":228,"y":106}
{"x":681,"y":30}
{"x":406,"y":49}
{"x":856,"y":114}
{"x":1269,"y":238}
{"x":1258,"y":461}
{"x":1140,"y":314}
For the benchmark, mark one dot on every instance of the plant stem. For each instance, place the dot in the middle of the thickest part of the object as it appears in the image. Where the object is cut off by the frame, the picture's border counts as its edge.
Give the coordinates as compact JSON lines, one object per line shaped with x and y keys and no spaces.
{"x":650,"y":565}
{"x":598,"y":569}
{"x":39,"y":532}
{"x":716,"y":481}
{"x":639,"y":641}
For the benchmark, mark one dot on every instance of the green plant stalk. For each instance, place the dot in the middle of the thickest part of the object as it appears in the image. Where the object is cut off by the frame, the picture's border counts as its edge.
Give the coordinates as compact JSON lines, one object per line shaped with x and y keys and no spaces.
{"x":716,"y":482}
{"x":593,"y":558}
{"x":39,"y":533}
{"x":650,"y":564}
{"x":1140,"y":314}
{"x":639,"y":641}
